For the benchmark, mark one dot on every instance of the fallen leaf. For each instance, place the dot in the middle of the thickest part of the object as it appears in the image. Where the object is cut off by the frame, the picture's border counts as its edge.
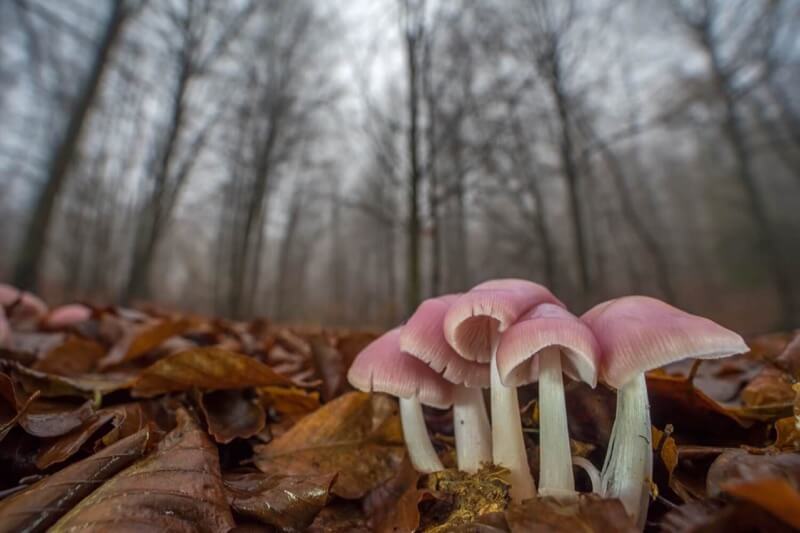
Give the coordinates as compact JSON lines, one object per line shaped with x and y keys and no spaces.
{"x":231,"y":414}
{"x":339,"y":438}
{"x":73,"y":357}
{"x":176,"y":487}
{"x":51,"y":385}
{"x":289,"y":503}
{"x":771,"y":386}
{"x":40,"y":505}
{"x":715,"y":516}
{"x":142,"y":339}
{"x":787,"y":434}
{"x":205,"y":369}
{"x":44,"y":418}
{"x":774,"y":495}
{"x":738,"y":466}
{"x":589,"y":514}
{"x":394,"y":505}
{"x":126,"y":419}
{"x":789,"y":358}
{"x":330,"y":366}
{"x":342,"y":517}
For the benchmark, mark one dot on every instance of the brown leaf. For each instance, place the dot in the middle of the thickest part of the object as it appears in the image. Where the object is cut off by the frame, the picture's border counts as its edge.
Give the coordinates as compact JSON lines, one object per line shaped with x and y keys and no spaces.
{"x":231,"y":414}
{"x":339,"y":438}
{"x":787,"y":434}
{"x":769,"y":387}
{"x":73,"y":357}
{"x":738,"y":466}
{"x":342,"y":517}
{"x":588,"y":514}
{"x":142,"y":339}
{"x":11,"y":409}
{"x":774,"y":495}
{"x":394,"y":505}
{"x":205,"y":369}
{"x":714,"y":516}
{"x":51,"y":385}
{"x":789,"y":359}
{"x":126,"y":420}
{"x":45,"y":418}
{"x":289,"y":404}
{"x":675,"y":400}
{"x":467,"y":497}
{"x":176,"y":488}
{"x":37,"y":507}
{"x":330,"y":367}
{"x":289,"y":503}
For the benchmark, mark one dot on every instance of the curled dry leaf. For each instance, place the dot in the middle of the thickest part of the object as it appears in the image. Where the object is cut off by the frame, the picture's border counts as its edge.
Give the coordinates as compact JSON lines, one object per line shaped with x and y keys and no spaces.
{"x":177,"y":487}
{"x":738,"y":466}
{"x":339,"y":438}
{"x":787,"y":432}
{"x":775,"y":495}
{"x":37,"y":507}
{"x":715,"y":516}
{"x":394,"y":505}
{"x":205,"y":369}
{"x":770,"y":387}
{"x":52,"y":385}
{"x":139,"y":340}
{"x":126,"y":419}
{"x":45,"y":418}
{"x":288,"y":405}
{"x":341,"y":517}
{"x":330,"y":367}
{"x":588,"y":514}
{"x":73,"y":357}
{"x":231,"y":414}
{"x":289,"y":503}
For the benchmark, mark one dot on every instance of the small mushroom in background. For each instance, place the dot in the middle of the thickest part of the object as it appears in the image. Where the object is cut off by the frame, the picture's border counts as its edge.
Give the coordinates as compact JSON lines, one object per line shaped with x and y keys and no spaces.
{"x":383,"y":367}
{"x":22,"y":308}
{"x":536,"y":348}
{"x":423,"y":337}
{"x":472,"y":326}
{"x":637,"y":334}
{"x":67,"y":315}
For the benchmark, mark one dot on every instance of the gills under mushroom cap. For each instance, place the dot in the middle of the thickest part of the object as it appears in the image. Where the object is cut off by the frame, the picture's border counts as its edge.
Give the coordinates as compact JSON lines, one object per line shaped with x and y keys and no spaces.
{"x":473,"y":318}
{"x":547,"y":325}
{"x":383,"y":367}
{"x":638,"y":333}
{"x":423,"y":337}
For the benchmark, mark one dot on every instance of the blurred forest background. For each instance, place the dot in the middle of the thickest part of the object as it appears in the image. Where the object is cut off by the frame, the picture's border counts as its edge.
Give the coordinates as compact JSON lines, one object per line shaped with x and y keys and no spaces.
{"x":335,"y":162}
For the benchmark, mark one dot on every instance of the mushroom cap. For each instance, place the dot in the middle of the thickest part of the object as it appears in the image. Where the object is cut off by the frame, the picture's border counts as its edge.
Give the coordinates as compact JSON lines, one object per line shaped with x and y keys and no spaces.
{"x":383,"y":367}
{"x":423,"y":337}
{"x":67,"y":315}
{"x":27,"y":307}
{"x":472,"y":322}
{"x":638,"y":333}
{"x":547,"y":325}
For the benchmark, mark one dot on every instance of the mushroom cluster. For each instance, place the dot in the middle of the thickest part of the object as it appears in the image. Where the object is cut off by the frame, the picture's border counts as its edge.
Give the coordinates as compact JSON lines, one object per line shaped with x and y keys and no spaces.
{"x":506,"y":333}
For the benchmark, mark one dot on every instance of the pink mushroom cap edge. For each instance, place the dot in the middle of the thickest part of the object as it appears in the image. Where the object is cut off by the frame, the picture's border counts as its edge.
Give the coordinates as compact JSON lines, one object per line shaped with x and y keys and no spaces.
{"x":383,"y":367}
{"x":423,"y":337}
{"x":639,"y":333}
{"x":470,"y":322}
{"x":547,"y":325}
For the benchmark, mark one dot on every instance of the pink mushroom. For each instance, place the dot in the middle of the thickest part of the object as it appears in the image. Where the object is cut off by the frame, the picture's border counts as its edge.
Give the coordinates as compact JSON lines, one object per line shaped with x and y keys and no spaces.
{"x":67,"y":315}
{"x":21,"y":307}
{"x":472,"y":326}
{"x":637,"y":334}
{"x":383,"y":367}
{"x":536,"y":348}
{"x":423,"y":337}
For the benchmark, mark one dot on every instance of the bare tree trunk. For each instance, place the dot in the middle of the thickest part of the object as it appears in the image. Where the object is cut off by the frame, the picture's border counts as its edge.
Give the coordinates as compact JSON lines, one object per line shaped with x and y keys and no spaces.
{"x":29,"y":264}
{"x":412,"y":32}
{"x":733,"y":132}
{"x":632,"y":218}
{"x":570,"y":170}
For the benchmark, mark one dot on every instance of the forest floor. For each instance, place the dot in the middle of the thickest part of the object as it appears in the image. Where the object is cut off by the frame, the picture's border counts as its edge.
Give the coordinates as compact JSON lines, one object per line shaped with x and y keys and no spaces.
{"x":154,"y":420}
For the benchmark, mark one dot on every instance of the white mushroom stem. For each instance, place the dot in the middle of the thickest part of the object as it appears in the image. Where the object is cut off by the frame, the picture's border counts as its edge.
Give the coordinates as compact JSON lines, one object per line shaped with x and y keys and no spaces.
{"x":508,"y":446}
{"x":418,"y":442}
{"x":555,"y":464}
{"x":628,"y":466}
{"x":471,"y":428}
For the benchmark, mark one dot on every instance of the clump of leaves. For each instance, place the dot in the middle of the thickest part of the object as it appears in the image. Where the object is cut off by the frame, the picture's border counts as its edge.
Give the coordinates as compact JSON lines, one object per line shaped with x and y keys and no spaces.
{"x":160,"y":421}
